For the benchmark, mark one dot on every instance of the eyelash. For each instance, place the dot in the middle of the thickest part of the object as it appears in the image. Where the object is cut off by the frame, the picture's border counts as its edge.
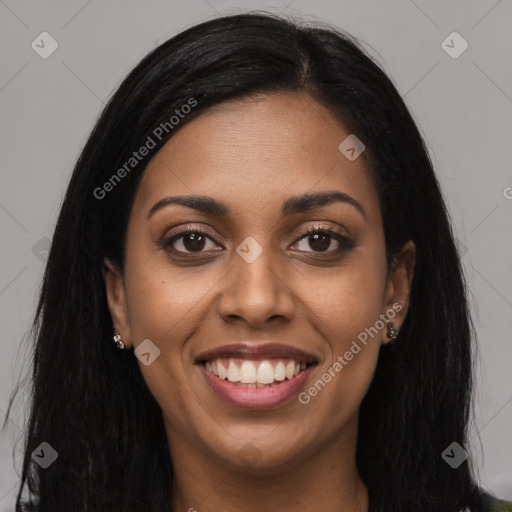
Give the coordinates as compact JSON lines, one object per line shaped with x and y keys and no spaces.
{"x":345,"y":243}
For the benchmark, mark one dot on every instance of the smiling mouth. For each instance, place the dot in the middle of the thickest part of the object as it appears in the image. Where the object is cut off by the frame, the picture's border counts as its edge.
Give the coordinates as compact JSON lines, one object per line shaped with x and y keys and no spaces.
{"x":257,"y":373}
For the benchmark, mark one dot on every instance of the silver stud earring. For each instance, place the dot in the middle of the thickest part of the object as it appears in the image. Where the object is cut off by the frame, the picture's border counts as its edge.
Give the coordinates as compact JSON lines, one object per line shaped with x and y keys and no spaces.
{"x":118,"y":342}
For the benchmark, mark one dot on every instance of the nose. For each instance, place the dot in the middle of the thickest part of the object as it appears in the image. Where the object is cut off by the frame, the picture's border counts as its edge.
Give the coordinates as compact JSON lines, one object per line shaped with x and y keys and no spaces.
{"x":257,"y":292}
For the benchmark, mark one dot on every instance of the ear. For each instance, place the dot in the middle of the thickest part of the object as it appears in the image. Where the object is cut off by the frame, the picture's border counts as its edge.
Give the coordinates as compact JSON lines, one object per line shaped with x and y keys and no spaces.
{"x":116,"y":298}
{"x":398,"y":287}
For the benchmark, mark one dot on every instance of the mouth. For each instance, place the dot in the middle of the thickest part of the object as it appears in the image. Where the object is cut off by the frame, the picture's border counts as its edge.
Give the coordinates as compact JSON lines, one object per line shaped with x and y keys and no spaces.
{"x":256,"y":373}
{"x":256,"y":376}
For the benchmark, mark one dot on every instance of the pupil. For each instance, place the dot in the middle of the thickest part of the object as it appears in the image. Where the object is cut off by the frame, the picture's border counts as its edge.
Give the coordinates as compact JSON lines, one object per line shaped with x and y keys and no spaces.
{"x":193,"y":242}
{"x":320,"y":242}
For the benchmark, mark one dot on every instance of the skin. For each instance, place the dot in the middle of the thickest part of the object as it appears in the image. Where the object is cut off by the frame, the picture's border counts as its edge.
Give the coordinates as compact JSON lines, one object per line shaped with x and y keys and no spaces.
{"x":252,"y":155}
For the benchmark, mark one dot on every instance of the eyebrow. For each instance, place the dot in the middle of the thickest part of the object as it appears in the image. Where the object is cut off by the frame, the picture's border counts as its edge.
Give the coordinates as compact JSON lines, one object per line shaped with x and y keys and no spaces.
{"x":293,"y":205}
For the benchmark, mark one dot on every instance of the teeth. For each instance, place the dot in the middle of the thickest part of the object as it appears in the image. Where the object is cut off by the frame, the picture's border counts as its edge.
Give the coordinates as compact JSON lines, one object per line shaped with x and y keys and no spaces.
{"x":233,"y":372}
{"x":290,"y":369}
{"x":255,"y":373}
{"x":223,"y":373}
{"x":248,"y":373}
{"x":281,"y":371}
{"x":265,"y":372}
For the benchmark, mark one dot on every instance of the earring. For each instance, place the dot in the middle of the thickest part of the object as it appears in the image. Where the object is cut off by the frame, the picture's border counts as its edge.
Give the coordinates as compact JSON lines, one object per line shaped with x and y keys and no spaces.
{"x":393,"y":334}
{"x":118,"y":342}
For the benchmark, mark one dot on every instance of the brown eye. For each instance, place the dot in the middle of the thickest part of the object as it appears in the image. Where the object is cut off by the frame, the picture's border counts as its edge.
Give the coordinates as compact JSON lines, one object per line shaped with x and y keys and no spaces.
{"x":320,"y":239}
{"x":319,"y":242}
{"x":189,"y":241}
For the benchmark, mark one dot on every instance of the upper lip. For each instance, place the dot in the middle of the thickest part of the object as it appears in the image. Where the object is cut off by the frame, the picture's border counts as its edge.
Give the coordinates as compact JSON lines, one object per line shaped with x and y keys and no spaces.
{"x":251,"y":350}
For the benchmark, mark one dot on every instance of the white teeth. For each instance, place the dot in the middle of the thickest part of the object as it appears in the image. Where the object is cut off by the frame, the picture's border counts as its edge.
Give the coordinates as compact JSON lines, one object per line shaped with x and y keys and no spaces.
{"x":223,"y":373}
{"x":248,"y":373}
{"x":254,"y":373}
{"x":290,"y":369}
{"x":280,"y":371}
{"x":233,"y":372}
{"x":265,"y":373}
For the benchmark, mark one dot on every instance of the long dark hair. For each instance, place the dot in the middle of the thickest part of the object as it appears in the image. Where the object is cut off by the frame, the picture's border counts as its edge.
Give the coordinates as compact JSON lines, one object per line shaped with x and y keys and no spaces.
{"x":89,"y":400}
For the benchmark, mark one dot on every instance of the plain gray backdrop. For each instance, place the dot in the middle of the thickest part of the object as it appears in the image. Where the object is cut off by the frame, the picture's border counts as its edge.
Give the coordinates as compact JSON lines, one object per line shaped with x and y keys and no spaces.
{"x":461,"y":100}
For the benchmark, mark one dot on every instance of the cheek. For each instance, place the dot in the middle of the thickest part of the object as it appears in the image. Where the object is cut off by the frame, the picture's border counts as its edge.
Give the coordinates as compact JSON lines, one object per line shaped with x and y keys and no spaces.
{"x":167,"y":306}
{"x":165,"y":309}
{"x":347,"y":300}
{"x":163,"y":302}
{"x":346,"y":313}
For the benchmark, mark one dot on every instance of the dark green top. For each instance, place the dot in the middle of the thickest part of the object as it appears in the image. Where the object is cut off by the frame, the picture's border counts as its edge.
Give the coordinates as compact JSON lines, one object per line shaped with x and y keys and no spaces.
{"x":502,"y":506}
{"x":494,"y":504}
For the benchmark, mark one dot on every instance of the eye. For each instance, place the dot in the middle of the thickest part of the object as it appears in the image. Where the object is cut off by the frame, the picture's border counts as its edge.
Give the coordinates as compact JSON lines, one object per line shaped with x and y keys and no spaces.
{"x":320,"y":239}
{"x":187,"y":241}
{"x":192,"y":240}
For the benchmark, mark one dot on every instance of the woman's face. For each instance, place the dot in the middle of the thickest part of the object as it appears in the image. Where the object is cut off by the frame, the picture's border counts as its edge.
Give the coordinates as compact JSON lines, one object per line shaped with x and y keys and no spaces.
{"x":255,"y":277}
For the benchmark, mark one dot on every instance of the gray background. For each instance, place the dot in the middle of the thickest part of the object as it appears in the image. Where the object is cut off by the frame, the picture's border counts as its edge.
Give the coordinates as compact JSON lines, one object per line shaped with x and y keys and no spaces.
{"x":462,"y":105}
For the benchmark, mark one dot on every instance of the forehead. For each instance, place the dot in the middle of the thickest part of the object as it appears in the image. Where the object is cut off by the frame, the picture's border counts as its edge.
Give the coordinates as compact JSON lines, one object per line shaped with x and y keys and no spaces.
{"x":255,"y":153}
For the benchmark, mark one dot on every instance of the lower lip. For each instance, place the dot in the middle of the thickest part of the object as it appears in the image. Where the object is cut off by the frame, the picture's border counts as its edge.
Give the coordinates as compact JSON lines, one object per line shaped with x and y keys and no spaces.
{"x":256,"y":398}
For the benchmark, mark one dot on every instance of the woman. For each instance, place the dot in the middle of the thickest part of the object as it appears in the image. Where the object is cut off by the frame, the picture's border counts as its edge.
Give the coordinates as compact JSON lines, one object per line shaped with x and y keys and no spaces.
{"x":256,"y":219}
